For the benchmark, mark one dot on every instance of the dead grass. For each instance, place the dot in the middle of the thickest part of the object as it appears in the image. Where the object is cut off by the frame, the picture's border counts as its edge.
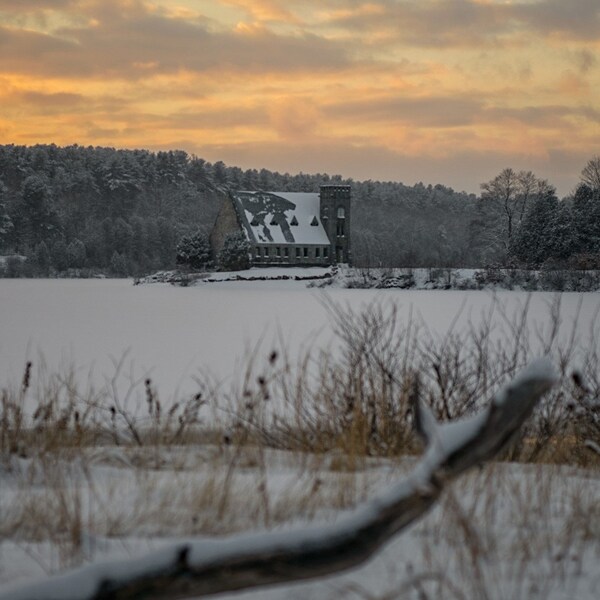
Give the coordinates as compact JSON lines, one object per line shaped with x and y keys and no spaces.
{"x":351,"y":397}
{"x":501,"y":533}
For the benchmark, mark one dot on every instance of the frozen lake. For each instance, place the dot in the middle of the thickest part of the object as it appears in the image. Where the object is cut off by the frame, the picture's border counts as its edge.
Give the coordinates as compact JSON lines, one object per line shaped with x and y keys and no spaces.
{"x":171,"y":332}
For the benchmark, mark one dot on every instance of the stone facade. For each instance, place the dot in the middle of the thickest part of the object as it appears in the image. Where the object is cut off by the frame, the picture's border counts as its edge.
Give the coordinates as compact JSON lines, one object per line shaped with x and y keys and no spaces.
{"x":268,"y":255}
{"x":336,"y":215}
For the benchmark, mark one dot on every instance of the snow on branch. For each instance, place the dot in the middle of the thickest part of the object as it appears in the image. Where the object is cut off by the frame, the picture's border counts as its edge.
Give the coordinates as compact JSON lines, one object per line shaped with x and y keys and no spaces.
{"x":202,"y":568}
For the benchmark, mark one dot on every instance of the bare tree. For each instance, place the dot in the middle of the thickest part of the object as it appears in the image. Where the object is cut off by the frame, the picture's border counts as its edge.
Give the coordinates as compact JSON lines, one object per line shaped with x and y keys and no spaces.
{"x":202,"y":568}
{"x":590,"y":175}
{"x":508,"y":196}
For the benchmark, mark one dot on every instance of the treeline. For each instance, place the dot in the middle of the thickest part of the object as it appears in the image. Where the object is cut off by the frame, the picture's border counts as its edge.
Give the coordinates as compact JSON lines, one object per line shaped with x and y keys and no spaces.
{"x":84,"y":210}
{"x":517,"y":221}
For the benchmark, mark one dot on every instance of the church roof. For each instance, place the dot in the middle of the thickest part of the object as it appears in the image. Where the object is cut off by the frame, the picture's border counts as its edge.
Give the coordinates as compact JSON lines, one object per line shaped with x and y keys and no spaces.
{"x":281,"y":217}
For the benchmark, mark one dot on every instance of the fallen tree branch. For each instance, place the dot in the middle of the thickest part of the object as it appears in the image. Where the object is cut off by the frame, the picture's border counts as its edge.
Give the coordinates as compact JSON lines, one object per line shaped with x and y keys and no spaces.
{"x":201,"y":568}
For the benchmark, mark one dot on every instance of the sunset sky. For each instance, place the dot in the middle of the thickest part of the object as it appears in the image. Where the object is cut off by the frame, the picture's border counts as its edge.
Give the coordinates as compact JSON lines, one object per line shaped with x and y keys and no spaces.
{"x":408,"y":90}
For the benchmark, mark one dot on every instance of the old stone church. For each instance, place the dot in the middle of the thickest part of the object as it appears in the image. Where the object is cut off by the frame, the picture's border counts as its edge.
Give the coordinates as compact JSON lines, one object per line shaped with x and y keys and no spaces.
{"x":289,"y":228}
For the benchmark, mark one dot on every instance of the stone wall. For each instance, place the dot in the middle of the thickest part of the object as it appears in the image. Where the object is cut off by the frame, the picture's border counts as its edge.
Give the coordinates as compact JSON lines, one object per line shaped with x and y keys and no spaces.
{"x":226,"y":222}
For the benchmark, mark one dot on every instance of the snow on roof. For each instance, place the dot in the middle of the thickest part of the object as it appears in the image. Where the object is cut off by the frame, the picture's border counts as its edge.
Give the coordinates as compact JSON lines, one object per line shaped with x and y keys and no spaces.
{"x":281,"y":217}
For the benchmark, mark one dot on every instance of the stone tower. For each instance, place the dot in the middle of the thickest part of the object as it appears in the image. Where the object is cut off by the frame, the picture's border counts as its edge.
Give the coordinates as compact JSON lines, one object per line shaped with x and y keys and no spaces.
{"x":335,"y":216}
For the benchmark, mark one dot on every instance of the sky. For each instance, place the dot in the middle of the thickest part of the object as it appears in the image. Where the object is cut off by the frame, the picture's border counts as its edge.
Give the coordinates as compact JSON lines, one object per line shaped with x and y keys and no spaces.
{"x":439,"y":91}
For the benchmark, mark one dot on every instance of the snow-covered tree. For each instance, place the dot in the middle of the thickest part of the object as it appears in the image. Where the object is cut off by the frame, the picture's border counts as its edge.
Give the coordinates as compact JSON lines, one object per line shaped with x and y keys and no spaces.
{"x":6,"y":224}
{"x":586,"y":219}
{"x":220,"y":173}
{"x":235,"y":254}
{"x":545,"y":231}
{"x":120,"y":183}
{"x":194,"y":251}
{"x":36,"y":210}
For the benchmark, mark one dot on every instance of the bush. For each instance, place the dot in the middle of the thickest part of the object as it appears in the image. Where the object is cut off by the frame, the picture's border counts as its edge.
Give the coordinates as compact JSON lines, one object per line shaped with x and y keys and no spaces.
{"x":235,"y":254}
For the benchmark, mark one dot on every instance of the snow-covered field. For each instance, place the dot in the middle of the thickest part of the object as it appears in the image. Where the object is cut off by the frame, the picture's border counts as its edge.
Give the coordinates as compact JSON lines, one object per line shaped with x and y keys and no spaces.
{"x":171,"y":333}
{"x":509,"y":531}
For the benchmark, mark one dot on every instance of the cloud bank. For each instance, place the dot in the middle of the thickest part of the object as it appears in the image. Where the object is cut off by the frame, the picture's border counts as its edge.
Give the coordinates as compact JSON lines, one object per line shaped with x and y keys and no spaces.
{"x":440,"y":91}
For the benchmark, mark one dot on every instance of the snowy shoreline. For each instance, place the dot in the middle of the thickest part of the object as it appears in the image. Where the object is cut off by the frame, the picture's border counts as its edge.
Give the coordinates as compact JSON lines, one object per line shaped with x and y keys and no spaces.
{"x":405,"y":278}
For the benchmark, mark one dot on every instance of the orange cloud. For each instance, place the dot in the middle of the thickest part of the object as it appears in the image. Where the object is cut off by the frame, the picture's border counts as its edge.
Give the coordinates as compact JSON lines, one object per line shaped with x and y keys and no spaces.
{"x":265,"y":10}
{"x":294,"y":119}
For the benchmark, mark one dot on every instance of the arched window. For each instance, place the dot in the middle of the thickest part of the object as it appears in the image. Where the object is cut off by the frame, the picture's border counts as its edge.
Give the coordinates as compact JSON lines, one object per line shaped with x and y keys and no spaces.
{"x":341,"y":213}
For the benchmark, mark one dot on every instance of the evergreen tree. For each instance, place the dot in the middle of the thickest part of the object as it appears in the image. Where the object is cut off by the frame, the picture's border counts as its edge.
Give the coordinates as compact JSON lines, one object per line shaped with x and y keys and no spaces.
{"x":118,"y":265}
{"x":15,"y":266}
{"x":538,"y":237}
{"x":194,"y":251}
{"x":59,"y":255}
{"x":586,"y":219}
{"x":6,"y":224}
{"x":76,"y":254}
{"x":139,"y":242}
{"x":166,"y":241}
{"x":122,"y":235}
{"x":235,"y":254}
{"x":41,"y":259}
{"x":37,"y":211}
{"x":220,"y":172}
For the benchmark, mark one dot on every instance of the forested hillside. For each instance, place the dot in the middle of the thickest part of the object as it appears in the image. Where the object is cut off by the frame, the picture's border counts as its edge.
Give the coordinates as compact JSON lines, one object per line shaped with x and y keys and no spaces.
{"x":99,"y":208}
{"x":85,"y":210}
